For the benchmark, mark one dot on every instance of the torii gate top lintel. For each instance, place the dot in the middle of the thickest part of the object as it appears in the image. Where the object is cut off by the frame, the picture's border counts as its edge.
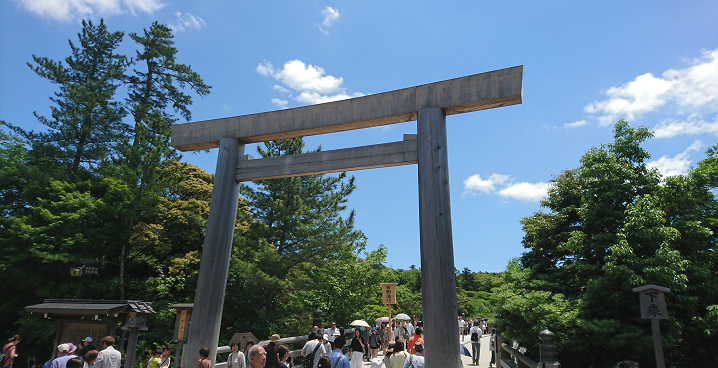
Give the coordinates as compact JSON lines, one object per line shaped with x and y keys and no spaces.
{"x":455,"y":96}
{"x":428,"y":104}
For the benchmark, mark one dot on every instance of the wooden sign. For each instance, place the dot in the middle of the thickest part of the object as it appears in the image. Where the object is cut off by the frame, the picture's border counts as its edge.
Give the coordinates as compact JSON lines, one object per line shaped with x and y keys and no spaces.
{"x":184,"y":316}
{"x":74,"y":331}
{"x":653,"y":302}
{"x":388,"y":293}
{"x":653,"y":307}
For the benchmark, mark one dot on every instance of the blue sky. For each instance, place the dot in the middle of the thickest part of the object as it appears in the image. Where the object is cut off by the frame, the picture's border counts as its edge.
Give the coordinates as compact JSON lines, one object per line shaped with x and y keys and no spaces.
{"x":586,"y":64}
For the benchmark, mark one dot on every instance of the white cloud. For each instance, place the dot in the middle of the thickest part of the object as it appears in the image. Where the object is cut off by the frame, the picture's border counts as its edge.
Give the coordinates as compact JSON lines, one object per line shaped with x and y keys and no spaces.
{"x":310,"y":82}
{"x":330,"y":16}
{"x":68,"y":10}
{"x":670,"y":128}
{"x":525,"y":191}
{"x":521,"y":191}
{"x":301,"y":77}
{"x":282,"y":104}
{"x":575,"y":124}
{"x":186,"y":22}
{"x":691,"y":89}
{"x":280,"y":88}
{"x":474,"y":182}
{"x":678,"y":164}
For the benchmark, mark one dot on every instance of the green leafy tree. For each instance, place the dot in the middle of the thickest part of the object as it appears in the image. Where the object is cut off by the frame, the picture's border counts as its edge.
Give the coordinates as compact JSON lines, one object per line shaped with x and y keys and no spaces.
{"x":614,"y":225}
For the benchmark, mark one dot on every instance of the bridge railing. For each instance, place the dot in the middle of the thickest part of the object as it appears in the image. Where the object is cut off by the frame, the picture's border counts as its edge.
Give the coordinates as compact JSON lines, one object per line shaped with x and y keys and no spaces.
{"x":508,"y":357}
{"x":293,"y":354}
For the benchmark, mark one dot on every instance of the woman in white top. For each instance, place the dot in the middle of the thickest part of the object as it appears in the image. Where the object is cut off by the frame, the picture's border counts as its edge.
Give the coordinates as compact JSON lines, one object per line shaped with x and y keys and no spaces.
{"x":236,"y":357}
{"x":165,"y":357}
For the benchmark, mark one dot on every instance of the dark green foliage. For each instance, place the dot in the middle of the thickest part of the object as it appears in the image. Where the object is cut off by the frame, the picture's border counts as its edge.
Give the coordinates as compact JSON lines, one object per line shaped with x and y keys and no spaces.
{"x":298,"y":254}
{"x":614,"y":225}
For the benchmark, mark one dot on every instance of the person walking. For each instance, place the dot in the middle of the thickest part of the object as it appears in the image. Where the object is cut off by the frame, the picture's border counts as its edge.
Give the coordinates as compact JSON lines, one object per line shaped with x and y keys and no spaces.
{"x":341,"y":340}
{"x":475,"y":334}
{"x":108,"y":357}
{"x":165,"y":357}
{"x":236,"y":357}
{"x":313,"y":334}
{"x":90,"y":358}
{"x":374,"y":342}
{"x":461,"y":327}
{"x":417,"y":359}
{"x":313,"y":348}
{"x":86,"y":346}
{"x":204,"y":360}
{"x":282,"y":354}
{"x":10,"y":351}
{"x":492,"y":347}
{"x":246,"y":352}
{"x":331,"y":333}
{"x":63,"y":355}
{"x":270,"y":349}
{"x":339,"y":360}
{"x":357,"y":348}
{"x":387,"y":354}
{"x":399,"y":357}
{"x":257,"y":356}
{"x":414,"y":339}
{"x":155,"y":360}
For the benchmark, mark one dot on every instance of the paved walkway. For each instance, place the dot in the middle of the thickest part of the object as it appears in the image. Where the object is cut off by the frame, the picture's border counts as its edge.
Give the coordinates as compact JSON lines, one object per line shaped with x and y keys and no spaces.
{"x":484,"y":357}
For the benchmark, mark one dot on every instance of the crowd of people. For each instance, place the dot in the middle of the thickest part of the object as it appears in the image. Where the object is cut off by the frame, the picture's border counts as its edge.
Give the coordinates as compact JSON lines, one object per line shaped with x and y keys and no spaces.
{"x":400,"y":342}
{"x":85,"y":355}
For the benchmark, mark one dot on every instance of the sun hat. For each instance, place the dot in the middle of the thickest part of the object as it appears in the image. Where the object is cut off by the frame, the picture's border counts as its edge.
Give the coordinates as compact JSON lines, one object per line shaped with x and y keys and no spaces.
{"x":325,"y":337}
{"x":419,"y":346}
{"x":72,"y":348}
{"x":64,"y":348}
{"x":274,"y":338}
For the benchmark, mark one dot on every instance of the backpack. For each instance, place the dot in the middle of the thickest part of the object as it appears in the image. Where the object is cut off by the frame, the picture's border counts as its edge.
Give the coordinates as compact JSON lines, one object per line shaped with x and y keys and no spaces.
{"x":310,"y":357}
{"x":2,"y":355}
{"x":475,"y":336}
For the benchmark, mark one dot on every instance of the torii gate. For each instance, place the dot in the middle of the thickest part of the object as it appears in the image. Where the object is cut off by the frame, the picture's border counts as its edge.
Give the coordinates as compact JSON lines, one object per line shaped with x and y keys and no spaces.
{"x":428,"y":104}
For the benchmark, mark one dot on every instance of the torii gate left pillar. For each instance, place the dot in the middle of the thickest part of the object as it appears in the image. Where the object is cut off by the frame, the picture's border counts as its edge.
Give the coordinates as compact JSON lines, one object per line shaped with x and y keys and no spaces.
{"x":428,"y":104}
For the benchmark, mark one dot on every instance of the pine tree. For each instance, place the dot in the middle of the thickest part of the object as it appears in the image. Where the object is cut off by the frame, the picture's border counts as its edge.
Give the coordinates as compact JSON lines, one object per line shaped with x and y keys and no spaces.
{"x":154,"y":95}
{"x":298,"y":226}
{"x":87,"y":123}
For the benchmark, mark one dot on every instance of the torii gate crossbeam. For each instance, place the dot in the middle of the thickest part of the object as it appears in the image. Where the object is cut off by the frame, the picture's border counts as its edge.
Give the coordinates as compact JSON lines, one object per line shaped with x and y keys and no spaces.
{"x":428,"y":104}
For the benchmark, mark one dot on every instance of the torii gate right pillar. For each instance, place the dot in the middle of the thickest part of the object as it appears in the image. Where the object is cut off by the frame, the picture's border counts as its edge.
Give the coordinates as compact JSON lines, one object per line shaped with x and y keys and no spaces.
{"x":438,"y":280}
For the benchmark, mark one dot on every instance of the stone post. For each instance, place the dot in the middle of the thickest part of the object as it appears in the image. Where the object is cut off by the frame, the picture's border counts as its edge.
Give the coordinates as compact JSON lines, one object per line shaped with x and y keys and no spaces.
{"x":549,"y":354}
{"x":318,"y":319}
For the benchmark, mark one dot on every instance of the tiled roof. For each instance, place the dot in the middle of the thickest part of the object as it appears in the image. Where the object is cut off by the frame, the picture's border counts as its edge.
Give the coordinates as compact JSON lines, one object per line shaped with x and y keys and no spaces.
{"x":90,"y":307}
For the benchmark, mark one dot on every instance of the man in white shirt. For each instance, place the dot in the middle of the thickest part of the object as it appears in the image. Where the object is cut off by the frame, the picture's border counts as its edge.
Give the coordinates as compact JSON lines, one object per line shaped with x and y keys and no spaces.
{"x":410,"y":328}
{"x":108,"y":357}
{"x":331,"y":333}
{"x":475,"y":334}
{"x":317,"y":347}
{"x":461,"y":328}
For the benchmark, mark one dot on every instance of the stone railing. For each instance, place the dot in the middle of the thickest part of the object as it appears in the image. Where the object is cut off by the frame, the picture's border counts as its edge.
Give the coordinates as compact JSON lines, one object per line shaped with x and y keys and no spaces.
{"x":294,"y":354}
